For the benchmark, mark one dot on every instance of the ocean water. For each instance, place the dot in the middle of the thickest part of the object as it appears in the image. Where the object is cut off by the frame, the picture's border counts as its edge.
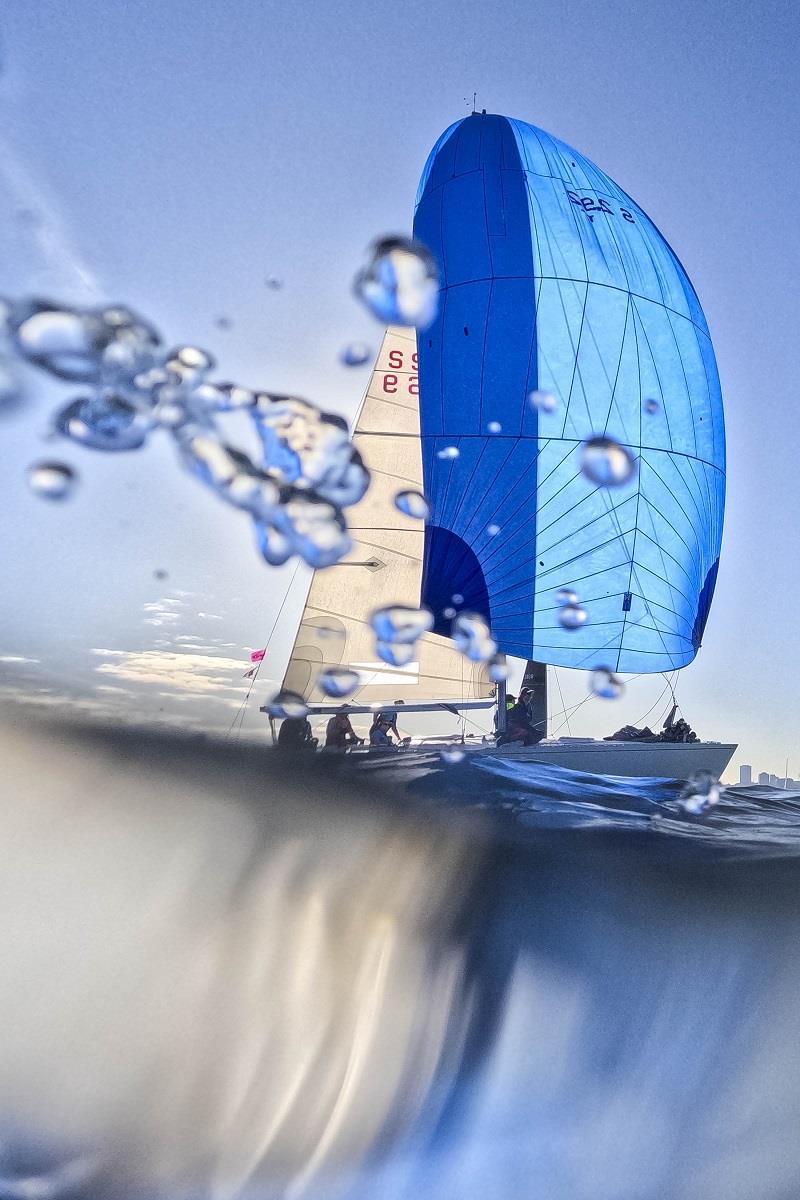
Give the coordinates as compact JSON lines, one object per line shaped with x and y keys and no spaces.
{"x":228,"y":973}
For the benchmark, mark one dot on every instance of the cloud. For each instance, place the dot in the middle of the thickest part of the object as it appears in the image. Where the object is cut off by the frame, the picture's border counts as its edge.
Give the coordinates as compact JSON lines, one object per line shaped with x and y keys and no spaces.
{"x":209,"y":616}
{"x":17,"y":658}
{"x":181,"y":670}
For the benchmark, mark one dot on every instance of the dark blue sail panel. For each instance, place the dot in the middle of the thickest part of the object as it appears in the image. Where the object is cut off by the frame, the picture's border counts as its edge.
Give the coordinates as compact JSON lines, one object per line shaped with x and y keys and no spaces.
{"x":554,"y":279}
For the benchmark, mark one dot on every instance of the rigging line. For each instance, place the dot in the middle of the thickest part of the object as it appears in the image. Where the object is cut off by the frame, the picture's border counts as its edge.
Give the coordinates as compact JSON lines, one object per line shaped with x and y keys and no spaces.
{"x":561,"y":697}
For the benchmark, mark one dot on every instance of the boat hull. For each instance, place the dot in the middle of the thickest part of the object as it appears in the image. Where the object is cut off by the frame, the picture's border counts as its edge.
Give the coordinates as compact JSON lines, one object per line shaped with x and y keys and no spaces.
{"x":639,"y":760}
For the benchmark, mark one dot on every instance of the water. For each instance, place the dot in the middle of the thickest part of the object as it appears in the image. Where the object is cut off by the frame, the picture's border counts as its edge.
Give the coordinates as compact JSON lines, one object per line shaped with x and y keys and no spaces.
{"x":229,"y":973}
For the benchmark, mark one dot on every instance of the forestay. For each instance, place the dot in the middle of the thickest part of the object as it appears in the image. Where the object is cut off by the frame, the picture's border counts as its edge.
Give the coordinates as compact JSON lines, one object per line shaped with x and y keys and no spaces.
{"x":554,"y":279}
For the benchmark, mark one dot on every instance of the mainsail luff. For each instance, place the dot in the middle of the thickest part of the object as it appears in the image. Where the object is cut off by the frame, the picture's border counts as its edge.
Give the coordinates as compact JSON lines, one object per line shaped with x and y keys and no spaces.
{"x":385,"y":565}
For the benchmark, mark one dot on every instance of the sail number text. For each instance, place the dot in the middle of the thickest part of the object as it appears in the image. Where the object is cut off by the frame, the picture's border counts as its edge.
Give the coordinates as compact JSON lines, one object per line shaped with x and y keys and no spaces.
{"x":392,"y":381}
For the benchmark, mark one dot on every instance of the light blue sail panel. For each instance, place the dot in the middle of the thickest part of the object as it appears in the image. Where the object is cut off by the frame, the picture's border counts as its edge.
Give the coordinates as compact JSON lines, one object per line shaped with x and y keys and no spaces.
{"x":554,"y":279}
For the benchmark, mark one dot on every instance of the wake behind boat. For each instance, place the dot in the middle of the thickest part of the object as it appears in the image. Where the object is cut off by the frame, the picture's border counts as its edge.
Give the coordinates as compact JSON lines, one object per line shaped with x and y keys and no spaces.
{"x":562,"y":419}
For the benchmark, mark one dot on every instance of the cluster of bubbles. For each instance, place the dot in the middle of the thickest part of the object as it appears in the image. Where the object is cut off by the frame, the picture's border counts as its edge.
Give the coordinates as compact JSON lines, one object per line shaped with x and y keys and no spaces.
{"x":571,"y":614}
{"x":700,"y":793}
{"x":131,"y":386}
{"x":472,"y":636}
{"x":397,"y":629}
{"x":400,"y":283}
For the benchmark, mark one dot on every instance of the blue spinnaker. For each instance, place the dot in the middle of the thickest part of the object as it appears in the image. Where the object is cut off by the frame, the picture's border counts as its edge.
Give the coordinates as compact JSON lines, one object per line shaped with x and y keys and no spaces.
{"x":553,"y":279}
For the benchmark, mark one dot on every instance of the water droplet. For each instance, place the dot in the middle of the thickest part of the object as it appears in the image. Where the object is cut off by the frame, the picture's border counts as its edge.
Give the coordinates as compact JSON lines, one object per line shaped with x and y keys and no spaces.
{"x":400,"y":284}
{"x":311,"y":449}
{"x":275,"y":547}
{"x":52,"y":480}
{"x":700,"y":793}
{"x":457,"y":598}
{"x":448,"y":613}
{"x":229,"y":397}
{"x":103,"y":423}
{"x":542,"y":401}
{"x":356,"y":354}
{"x":606,"y":463}
{"x":273,"y":282}
{"x":223,"y":323}
{"x":572,"y":616}
{"x":494,"y":427}
{"x":448,"y":452}
{"x":338,"y":681}
{"x":65,"y":342}
{"x":189,"y":363}
{"x":413,"y":504}
{"x":399,"y":623}
{"x":160,"y":573}
{"x":328,"y":631}
{"x":473,"y":637}
{"x":396,"y":654}
{"x":651,"y":406}
{"x":566,"y":596}
{"x":453,"y":754}
{"x":492,"y":530}
{"x":287,"y":704}
{"x":606,"y":684}
{"x":498,"y":668}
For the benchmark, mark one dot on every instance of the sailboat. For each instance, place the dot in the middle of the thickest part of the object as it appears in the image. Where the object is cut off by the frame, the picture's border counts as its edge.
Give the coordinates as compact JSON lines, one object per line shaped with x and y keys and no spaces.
{"x":564,"y":316}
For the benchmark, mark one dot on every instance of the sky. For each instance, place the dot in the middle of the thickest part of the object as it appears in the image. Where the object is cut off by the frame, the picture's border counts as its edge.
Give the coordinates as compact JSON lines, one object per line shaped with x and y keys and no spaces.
{"x":174,"y":156}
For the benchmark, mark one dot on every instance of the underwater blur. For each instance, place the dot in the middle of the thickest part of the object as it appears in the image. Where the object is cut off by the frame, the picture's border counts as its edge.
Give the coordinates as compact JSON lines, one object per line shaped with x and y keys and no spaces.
{"x":226,"y":977}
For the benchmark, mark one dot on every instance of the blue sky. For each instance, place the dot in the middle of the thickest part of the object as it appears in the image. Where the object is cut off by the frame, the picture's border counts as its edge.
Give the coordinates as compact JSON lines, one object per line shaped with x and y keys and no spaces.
{"x":175,"y":155}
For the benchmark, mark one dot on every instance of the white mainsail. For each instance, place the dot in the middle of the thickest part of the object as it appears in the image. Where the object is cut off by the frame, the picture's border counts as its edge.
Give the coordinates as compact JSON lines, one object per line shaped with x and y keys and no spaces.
{"x":385,"y":564}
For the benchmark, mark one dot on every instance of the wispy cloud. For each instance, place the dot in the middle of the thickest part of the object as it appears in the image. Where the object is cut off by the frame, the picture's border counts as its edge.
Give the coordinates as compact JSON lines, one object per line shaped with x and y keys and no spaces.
{"x":17,"y":659}
{"x":209,"y":616}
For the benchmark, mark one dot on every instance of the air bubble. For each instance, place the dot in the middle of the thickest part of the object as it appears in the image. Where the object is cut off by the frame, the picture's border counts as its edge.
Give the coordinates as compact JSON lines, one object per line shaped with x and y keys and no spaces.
{"x":606,"y":684}
{"x":448,"y":452}
{"x":651,"y":406}
{"x":396,"y":654}
{"x":400,"y":284}
{"x":402,"y":624}
{"x":412,"y":504}
{"x":457,"y":598}
{"x":103,"y":423}
{"x":52,"y":480}
{"x":274,"y":283}
{"x":566,"y":596}
{"x":494,"y":427}
{"x":287,"y":704}
{"x":492,"y":530}
{"x":542,"y":401}
{"x":572,"y":616}
{"x":606,"y":463}
{"x":355,"y":354}
{"x":338,"y":681}
{"x":473,"y":638}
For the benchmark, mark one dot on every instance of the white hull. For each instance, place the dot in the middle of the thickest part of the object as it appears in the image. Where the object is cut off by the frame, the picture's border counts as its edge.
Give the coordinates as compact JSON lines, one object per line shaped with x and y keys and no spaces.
{"x":641,"y":760}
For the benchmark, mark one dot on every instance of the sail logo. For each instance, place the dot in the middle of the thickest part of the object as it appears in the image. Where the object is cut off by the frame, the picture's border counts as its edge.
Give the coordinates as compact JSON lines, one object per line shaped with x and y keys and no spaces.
{"x":593,"y":204}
